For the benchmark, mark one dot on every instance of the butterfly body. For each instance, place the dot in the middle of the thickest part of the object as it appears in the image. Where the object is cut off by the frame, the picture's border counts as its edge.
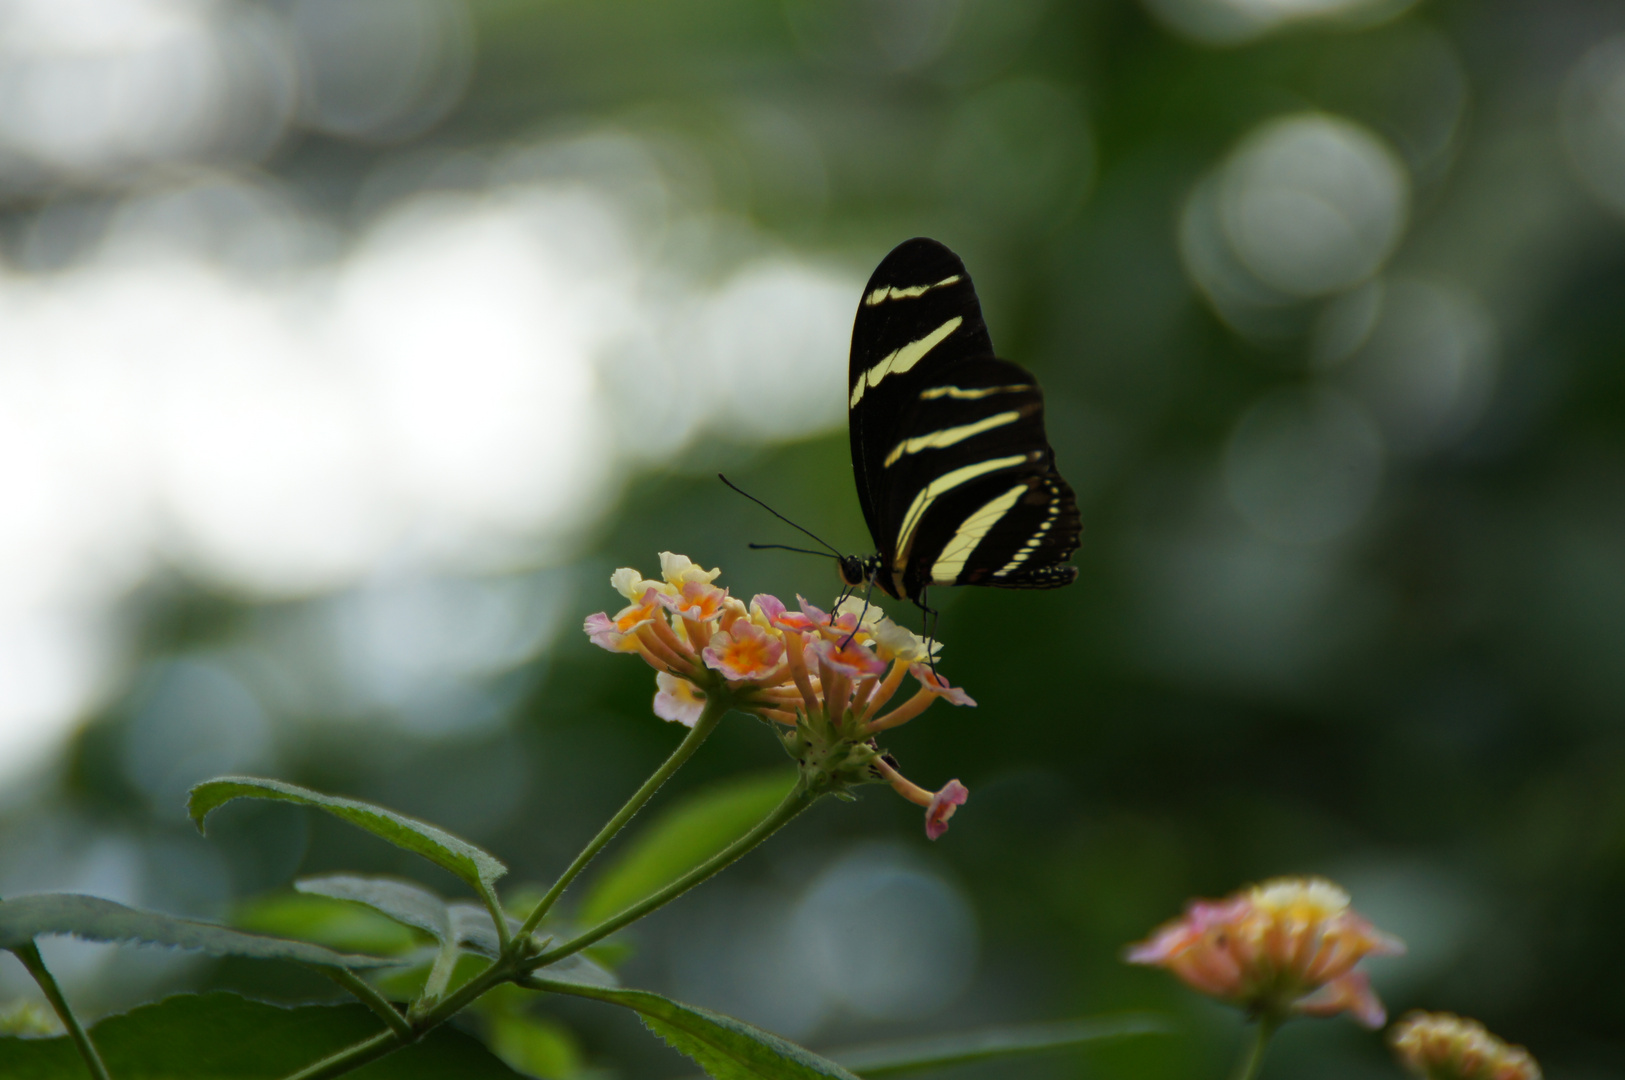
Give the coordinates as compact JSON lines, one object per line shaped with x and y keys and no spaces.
{"x":954,"y":472}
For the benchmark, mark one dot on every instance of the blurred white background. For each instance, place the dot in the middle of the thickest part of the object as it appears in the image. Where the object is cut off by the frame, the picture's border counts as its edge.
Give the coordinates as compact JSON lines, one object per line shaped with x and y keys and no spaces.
{"x":198,"y":369}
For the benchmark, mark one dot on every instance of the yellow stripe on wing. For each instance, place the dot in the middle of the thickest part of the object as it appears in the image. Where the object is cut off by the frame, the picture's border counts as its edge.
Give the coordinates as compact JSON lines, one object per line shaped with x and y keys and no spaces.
{"x":933,"y":491}
{"x":948,"y":436}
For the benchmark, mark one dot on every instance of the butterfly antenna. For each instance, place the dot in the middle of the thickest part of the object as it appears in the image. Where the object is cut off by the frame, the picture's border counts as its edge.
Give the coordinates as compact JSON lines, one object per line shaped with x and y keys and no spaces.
{"x":778,"y":515}
{"x":787,"y":547}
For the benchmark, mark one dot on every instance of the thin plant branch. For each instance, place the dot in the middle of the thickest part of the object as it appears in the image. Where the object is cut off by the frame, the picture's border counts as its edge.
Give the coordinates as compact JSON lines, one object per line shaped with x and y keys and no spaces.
{"x":29,"y":955}
{"x":1248,"y":1067}
{"x":716,"y":706}
{"x":351,"y":1057}
{"x":516,"y":967}
{"x":798,"y":799}
{"x":364,"y":992}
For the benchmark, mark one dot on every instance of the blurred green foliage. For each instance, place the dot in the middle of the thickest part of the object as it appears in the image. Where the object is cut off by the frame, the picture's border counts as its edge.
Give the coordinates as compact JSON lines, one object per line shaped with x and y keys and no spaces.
{"x":236,"y":1039}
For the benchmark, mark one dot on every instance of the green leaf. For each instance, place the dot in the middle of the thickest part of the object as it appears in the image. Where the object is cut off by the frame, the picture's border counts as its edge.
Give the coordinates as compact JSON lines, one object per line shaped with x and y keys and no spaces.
{"x":221,"y":1036}
{"x":680,"y":839}
{"x":411,"y":982}
{"x":478,"y":868}
{"x":534,"y":1046}
{"x":610,"y":952}
{"x":91,"y":917}
{"x":578,"y":969}
{"x":725,"y":1048}
{"x":338,"y":925}
{"x":915,"y":1055}
{"x":452,"y":926}
{"x":472,"y":928}
{"x":406,"y":902}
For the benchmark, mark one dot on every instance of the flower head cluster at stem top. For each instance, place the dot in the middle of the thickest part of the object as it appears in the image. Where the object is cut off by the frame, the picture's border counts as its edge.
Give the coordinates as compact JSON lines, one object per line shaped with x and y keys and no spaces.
{"x":1285,"y":947}
{"x":823,"y":677}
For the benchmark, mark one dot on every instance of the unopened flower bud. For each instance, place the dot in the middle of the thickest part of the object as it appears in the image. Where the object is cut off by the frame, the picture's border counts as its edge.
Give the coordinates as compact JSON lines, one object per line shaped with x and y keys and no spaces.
{"x":942,"y":807}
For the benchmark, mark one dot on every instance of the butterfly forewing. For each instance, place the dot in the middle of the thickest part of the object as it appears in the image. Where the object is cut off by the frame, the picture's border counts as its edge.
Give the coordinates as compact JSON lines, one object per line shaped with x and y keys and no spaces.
{"x":955,"y":475}
{"x":918,"y":311}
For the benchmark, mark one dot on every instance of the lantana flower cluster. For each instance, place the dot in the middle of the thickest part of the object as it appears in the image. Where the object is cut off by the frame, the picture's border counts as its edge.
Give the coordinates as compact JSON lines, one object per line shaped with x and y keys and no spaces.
{"x":1439,"y":1046}
{"x":826,"y":678}
{"x":1284,"y":947}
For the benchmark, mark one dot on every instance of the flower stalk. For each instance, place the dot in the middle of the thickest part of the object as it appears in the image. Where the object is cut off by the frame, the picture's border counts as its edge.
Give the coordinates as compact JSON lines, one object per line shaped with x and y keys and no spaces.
{"x":799,"y":798}
{"x":351,"y":1057}
{"x":364,"y":992}
{"x":710,"y":716}
{"x":30,"y":956}
{"x":515,"y":966}
{"x":1252,"y":1061}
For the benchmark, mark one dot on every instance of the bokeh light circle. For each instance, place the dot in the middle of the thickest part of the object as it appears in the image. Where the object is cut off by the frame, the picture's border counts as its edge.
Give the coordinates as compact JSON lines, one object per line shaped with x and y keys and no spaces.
{"x":1420,"y":354}
{"x":1593,"y":121}
{"x":887,"y":938}
{"x":1312,"y":203}
{"x":1306,"y":206}
{"x":1232,"y":22}
{"x":382,"y":69}
{"x":1303,"y":466}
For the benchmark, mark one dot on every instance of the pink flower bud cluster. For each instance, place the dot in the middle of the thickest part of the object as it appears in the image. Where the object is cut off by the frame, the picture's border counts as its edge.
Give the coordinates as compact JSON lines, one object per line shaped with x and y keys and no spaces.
{"x":805,"y":669}
{"x":1286,"y":946}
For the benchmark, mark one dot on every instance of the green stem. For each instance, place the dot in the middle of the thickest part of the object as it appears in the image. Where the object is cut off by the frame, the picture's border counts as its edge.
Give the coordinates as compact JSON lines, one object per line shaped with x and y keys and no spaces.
{"x":29,"y":955}
{"x":716,"y":706}
{"x":1247,"y":1068}
{"x":376,"y":1046}
{"x":799,"y":798}
{"x":499,"y":972}
{"x":369,"y":996}
{"x":514,"y":967}
{"x":351,"y":1057}
{"x":445,"y":965}
{"x":513,"y":962}
{"x":499,"y":919}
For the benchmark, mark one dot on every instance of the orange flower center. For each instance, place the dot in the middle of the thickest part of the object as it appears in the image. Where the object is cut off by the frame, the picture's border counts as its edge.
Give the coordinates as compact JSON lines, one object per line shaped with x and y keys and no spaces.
{"x":747,"y":654}
{"x":633,"y":615}
{"x":707,"y":600}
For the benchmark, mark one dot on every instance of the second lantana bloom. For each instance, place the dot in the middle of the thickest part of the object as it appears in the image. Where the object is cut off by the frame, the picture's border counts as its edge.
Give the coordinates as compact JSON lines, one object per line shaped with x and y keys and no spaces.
{"x":1288,"y":946}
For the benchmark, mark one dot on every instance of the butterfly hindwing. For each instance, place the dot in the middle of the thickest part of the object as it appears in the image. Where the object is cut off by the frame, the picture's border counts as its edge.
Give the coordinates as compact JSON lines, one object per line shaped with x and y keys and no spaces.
{"x":955,"y":475}
{"x":973,"y":495}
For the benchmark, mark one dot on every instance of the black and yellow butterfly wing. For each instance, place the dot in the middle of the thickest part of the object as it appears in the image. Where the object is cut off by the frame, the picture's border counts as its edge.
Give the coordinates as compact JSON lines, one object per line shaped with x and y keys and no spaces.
{"x":954,"y":472}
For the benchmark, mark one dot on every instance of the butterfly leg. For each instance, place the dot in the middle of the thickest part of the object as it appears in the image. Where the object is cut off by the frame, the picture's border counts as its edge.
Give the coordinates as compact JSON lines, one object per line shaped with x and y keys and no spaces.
{"x":929,"y":617}
{"x":870,"y":591}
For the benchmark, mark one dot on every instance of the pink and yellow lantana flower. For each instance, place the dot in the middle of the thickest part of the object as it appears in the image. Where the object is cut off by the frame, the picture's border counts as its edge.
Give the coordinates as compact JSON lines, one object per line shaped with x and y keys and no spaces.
{"x":1288,"y":946}
{"x":1439,"y":1046}
{"x":826,"y":678}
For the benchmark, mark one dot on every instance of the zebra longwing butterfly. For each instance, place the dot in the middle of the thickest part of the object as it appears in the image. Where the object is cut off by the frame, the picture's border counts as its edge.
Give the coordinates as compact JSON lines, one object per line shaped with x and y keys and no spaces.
{"x":955,"y":475}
